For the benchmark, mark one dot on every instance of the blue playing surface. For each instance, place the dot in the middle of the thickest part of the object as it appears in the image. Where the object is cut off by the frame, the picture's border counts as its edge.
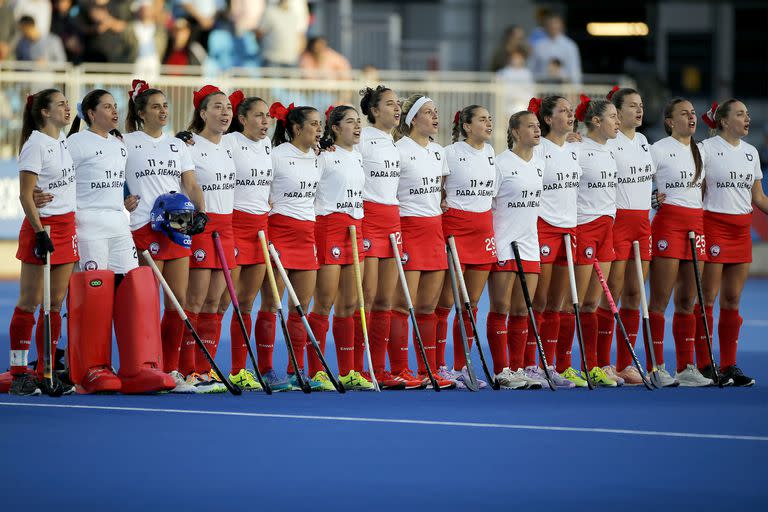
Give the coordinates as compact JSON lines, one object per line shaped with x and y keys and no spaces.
{"x":619,"y":449}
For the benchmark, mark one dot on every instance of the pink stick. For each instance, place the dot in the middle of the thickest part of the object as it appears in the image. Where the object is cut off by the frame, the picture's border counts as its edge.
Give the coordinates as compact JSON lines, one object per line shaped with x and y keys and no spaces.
{"x":604,"y":284}
{"x":225,"y":269}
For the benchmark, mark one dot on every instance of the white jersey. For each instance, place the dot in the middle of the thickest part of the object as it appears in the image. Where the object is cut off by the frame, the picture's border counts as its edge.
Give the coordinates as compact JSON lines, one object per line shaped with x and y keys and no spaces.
{"x":560,"y":182}
{"x":516,"y":206}
{"x":253,"y":161}
{"x":381,"y":161}
{"x":636,"y":170}
{"x":471,"y":183}
{"x":597,"y":184}
{"x":215,"y":172}
{"x":49,"y":158}
{"x":154,"y":167}
{"x":342,"y":180}
{"x":731,"y":173}
{"x":100,"y":176}
{"x":421,"y":174}
{"x":674,"y":173}
{"x":294,"y":185}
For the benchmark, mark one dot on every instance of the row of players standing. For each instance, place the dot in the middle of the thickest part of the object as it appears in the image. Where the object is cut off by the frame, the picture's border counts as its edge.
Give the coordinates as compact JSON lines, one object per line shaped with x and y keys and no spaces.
{"x":534,"y":192}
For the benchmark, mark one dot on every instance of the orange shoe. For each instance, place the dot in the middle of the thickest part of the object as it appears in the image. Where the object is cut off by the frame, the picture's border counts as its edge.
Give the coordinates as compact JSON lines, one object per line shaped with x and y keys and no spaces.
{"x":631,"y":376}
{"x":407,"y":377}
{"x":441,"y":382}
{"x":386,"y":380}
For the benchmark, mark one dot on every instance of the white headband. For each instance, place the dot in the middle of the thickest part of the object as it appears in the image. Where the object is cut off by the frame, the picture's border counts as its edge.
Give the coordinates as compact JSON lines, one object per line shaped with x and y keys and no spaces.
{"x":415,"y":109}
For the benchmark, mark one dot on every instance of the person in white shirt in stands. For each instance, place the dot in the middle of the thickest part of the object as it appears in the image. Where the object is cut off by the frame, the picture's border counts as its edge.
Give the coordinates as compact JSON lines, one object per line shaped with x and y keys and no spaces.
{"x":733,"y":185}
{"x":556,"y":45}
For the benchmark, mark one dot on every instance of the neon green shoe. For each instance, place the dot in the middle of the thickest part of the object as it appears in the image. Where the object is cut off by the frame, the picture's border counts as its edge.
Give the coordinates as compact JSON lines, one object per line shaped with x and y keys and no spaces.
{"x":245,"y":380}
{"x":572,"y":375}
{"x":600,"y":378}
{"x":325,"y":382}
{"x":353,"y":381}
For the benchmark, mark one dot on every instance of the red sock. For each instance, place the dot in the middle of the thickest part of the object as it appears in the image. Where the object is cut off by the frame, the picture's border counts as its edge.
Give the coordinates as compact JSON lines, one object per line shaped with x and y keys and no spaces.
{"x":728,"y":333}
{"x":657,"y":322}
{"x":459,"y":359}
{"x":517,"y":334}
{"x":359,"y":340}
{"x":187,"y":352}
{"x":344,"y":339}
{"x":550,"y":327}
{"x":631,"y":320}
{"x":319,"y":325}
{"x":589,"y":333}
{"x":298,"y":339}
{"x":379,"y":338}
{"x":206,"y":329}
{"x":239,"y":350}
{"x":683,"y":331}
{"x":700,"y":340}
{"x":529,"y":357}
{"x":442,"y":334}
{"x":398,"y":342}
{"x":171,"y":332}
{"x":217,"y":335}
{"x":497,"y":335}
{"x":427,"y":328}
{"x":39,"y":341}
{"x":565,"y":341}
{"x":22,"y":323}
{"x":264,"y":334}
{"x":605,"y":323}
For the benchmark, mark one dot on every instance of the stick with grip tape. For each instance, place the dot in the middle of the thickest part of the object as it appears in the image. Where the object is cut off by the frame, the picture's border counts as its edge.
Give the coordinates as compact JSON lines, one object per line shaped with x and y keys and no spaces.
{"x":454,"y":253}
{"x":300,"y":311}
{"x":49,"y":385}
{"x":715,"y":372}
{"x":361,"y":303}
{"x":169,"y":293}
{"x":472,"y":385}
{"x":575,"y":302}
{"x":531,"y":316}
{"x":411,"y":312}
{"x":236,"y":308}
{"x":647,"y":337}
{"x":303,"y":384}
{"x":619,"y":323}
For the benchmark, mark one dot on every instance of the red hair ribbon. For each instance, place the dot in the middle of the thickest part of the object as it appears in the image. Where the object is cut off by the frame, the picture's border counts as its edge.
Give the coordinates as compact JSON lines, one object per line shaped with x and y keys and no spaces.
{"x":235,"y":99}
{"x":137,"y":87}
{"x":279,"y":111}
{"x":612,"y":92}
{"x":709,"y":116}
{"x":581,"y":110}
{"x":200,"y":95}
{"x":534,"y":105}
{"x":456,"y":117}
{"x":30,"y":99}
{"x":328,"y":111}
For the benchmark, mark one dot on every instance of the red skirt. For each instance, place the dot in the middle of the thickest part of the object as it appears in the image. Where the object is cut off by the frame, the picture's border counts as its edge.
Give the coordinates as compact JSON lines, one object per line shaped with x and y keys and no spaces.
{"x":529,"y":267}
{"x":63,"y":236}
{"x":158,"y":244}
{"x":379,"y":221}
{"x":595,"y":241}
{"x":728,"y":237}
{"x":204,"y":251}
{"x":423,"y":243}
{"x":670,"y":228}
{"x":332,"y":234}
{"x":246,"y":227}
{"x":473,"y":233}
{"x":552,"y":243}
{"x":294,"y":241}
{"x":631,"y":225}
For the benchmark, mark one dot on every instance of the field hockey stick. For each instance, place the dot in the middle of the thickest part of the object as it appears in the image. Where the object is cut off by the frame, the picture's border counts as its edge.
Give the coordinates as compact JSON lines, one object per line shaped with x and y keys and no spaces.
{"x":411,"y":312}
{"x":468,"y":308}
{"x":303,"y":384}
{"x":647,"y":337}
{"x":472,"y":385}
{"x":700,"y":290}
{"x":575,"y":302}
{"x":236,"y":307}
{"x":48,"y":384}
{"x":300,"y":311}
{"x":169,"y":294}
{"x":616,"y":317}
{"x":361,"y":303}
{"x":532,"y":317}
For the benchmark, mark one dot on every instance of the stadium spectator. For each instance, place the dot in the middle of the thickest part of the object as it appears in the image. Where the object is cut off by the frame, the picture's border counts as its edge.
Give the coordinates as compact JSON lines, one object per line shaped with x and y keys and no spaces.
{"x":106,"y":37}
{"x":320,"y":61}
{"x":63,"y":25}
{"x":229,"y":48}
{"x":39,"y":10}
{"x":34,"y":46}
{"x":246,"y":15}
{"x":518,"y":80}
{"x":513,"y":41}
{"x":201,"y":15}
{"x":182,"y":50}
{"x":151,"y":39}
{"x":7,"y":29}
{"x":555,"y":46}
{"x":282,"y":34}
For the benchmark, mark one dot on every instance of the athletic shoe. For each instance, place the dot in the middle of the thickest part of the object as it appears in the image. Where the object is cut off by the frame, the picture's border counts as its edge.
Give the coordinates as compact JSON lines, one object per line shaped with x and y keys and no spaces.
{"x":325,"y":382}
{"x":508,"y":379}
{"x":574,"y":376}
{"x":385,"y":379}
{"x":276,"y":383}
{"x":531,"y":383}
{"x":600,"y":378}
{"x":610,"y":371}
{"x":24,"y":385}
{"x":691,"y":377}
{"x":354,"y":381}
{"x":204,"y":384}
{"x":64,"y":386}
{"x":441,"y":382}
{"x":313,"y":384}
{"x":245,"y":380}
{"x":709,"y":373}
{"x":536,"y":374}
{"x":558,"y":380}
{"x":464,"y":379}
{"x":181,"y":384}
{"x":739,"y":379}
{"x":667,"y":380}
{"x":409,"y":379}
{"x":448,"y":374}
{"x":631,"y":376}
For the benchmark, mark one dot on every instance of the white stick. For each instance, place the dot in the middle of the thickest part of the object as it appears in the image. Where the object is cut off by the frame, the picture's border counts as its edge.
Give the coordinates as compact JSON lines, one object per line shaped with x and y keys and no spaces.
{"x":166,"y":289}
{"x":270,"y":272}
{"x":640,"y":278}
{"x":361,"y":304}
{"x":457,"y":267}
{"x":284,"y":275}
{"x":571,"y":273}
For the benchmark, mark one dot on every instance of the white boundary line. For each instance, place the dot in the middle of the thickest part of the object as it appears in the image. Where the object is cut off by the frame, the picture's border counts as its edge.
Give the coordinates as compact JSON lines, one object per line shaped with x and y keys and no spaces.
{"x":505,"y":426}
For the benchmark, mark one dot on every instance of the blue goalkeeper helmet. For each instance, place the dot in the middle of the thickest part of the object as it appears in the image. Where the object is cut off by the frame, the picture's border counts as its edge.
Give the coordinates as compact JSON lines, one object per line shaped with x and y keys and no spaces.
{"x":172,"y":214}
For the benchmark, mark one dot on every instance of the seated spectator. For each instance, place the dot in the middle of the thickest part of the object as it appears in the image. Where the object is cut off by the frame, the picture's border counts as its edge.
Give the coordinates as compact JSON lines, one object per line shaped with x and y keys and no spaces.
{"x":201,"y":14}
{"x":182,"y":50}
{"x":33,"y":46}
{"x":106,"y":37}
{"x":151,"y":39}
{"x":280,"y":35}
{"x":513,"y":41}
{"x":556,"y":46}
{"x":63,"y":25}
{"x":39,"y":10}
{"x":7,"y":29}
{"x":519,"y":82}
{"x":320,"y":61}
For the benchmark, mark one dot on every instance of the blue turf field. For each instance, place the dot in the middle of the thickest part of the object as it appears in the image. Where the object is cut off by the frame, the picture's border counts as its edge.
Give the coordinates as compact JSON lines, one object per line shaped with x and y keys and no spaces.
{"x":624,"y":449}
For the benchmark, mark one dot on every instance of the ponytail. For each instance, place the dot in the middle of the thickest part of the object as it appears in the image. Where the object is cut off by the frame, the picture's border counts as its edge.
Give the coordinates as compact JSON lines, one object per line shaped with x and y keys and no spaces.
{"x":32,"y":117}
{"x":463,"y":116}
{"x":90,"y":102}
{"x":371,"y":98}
{"x":515,"y":120}
{"x":241,"y":109}
{"x":286,"y":118}
{"x":333,"y":116}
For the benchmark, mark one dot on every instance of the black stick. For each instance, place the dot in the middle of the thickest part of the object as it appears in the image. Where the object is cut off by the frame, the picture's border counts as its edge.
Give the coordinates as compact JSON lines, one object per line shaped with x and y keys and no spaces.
{"x":700,"y":290}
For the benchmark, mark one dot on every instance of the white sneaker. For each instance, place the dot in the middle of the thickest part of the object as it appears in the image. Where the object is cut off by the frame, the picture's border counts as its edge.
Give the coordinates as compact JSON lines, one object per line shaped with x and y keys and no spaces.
{"x":509,"y":380}
{"x":667,"y":381}
{"x":691,"y":377}
{"x":203,"y":384}
{"x":531,"y":383}
{"x":181,"y":383}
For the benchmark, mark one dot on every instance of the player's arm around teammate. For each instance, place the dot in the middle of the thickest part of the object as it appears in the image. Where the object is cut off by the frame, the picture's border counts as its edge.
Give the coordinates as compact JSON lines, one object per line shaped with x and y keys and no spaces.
{"x":44,"y":161}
